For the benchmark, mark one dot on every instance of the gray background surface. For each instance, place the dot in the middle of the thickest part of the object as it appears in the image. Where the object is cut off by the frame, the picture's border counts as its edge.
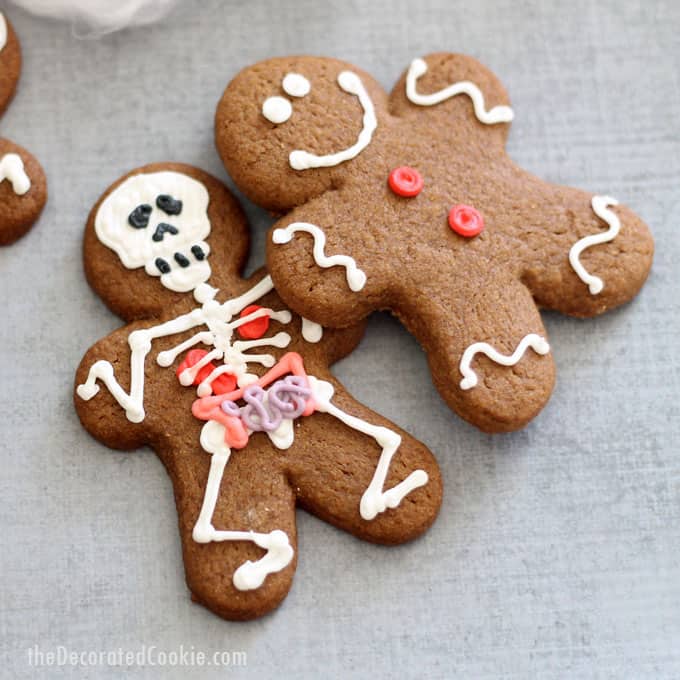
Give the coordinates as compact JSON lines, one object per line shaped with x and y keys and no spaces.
{"x":557,"y":551}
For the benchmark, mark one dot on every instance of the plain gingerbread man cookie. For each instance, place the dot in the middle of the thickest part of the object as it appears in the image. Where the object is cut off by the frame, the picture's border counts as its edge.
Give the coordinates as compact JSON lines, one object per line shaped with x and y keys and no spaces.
{"x":23,"y":187}
{"x":409,"y":202}
{"x":234,"y":394}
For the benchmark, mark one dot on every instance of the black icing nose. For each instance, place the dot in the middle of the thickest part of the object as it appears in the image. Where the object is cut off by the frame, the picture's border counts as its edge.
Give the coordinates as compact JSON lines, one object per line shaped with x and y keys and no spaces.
{"x":162,"y":229}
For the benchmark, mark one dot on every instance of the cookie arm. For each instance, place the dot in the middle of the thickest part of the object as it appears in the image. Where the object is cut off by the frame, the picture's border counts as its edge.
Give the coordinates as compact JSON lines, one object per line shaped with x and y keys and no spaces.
{"x":371,"y":478}
{"x":485,"y":343}
{"x":582,"y":254}
{"x":320,"y":259}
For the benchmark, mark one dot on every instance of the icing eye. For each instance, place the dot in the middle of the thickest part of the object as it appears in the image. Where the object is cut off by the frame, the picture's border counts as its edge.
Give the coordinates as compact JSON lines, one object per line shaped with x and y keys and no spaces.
{"x":139,"y":217}
{"x":277,"y":110}
{"x":169,"y":205}
{"x":296,"y":85}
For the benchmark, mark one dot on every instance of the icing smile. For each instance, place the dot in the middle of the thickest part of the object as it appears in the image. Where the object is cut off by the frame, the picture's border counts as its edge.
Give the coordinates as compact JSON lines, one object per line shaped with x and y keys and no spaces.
{"x":350,"y":83}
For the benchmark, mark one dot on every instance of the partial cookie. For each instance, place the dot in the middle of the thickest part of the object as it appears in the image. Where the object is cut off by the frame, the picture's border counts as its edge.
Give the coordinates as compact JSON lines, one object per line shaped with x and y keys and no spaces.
{"x":23,"y":187}
{"x":408,"y":202}
{"x":234,"y":394}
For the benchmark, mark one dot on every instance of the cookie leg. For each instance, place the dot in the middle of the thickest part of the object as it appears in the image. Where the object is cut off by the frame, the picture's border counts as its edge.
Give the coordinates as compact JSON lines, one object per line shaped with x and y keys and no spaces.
{"x":588,"y":254}
{"x":372,"y":480}
{"x":487,"y":349}
{"x":237,"y":522}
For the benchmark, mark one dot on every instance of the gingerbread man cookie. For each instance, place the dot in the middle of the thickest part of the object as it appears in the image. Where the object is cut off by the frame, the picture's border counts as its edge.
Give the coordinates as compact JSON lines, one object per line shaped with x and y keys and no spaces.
{"x":23,"y":187}
{"x":234,"y":394}
{"x":408,"y":202}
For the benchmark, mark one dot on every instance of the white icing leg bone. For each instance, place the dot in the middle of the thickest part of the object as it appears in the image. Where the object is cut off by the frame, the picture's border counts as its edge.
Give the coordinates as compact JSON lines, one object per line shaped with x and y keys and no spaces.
{"x":374,"y":499}
{"x":250,"y":575}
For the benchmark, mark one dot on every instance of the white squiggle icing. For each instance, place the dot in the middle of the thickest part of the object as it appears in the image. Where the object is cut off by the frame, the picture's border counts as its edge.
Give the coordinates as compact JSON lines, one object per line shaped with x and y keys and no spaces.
{"x":418,"y":67}
{"x":250,"y":575}
{"x":350,"y":83}
{"x":374,"y":500}
{"x":536,"y":342}
{"x":356,"y":278}
{"x":3,"y":31}
{"x":217,"y":317}
{"x":600,"y":205}
{"x":12,"y":169}
{"x":296,"y":85}
{"x":311,"y":331}
{"x":277,"y":110}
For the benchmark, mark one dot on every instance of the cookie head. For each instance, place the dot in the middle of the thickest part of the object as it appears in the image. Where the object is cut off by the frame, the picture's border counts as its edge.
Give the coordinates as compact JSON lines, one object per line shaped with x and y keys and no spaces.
{"x":151,"y":233}
{"x":296,"y":124}
{"x":159,"y":221}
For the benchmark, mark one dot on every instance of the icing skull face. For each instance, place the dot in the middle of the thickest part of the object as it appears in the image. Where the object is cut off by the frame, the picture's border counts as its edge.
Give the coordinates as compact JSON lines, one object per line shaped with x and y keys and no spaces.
{"x":159,"y":221}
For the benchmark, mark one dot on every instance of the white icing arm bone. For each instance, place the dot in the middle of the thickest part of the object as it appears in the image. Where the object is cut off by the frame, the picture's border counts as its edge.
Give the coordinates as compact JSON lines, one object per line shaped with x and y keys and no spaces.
{"x":374,"y":499}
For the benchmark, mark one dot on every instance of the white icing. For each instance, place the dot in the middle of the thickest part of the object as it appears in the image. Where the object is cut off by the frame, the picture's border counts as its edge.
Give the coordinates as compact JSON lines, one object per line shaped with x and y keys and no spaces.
{"x":12,"y":169}
{"x":277,"y":110}
{"x":136,"y":247}
{"x":218,"y":319}
{"x":350,"y":83}
{"x":536,"y":342}
{"x":374,"y":499}
{"x":356,"y":278}
{"x":600,"y":205}
{"x":3,"y":31}
{"x":250,"y":575}
{"x":296,"y":85}
{"x":311,"y":331}
{"x":418,"y":67}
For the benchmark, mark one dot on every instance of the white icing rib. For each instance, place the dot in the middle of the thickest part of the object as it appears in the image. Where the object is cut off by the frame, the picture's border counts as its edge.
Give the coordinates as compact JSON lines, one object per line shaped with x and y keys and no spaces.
{"x":356,"y":278}
{"x":418,"y":67}
{"x":600,"y":205}
{"x":12,"y":169}
{"x":350,"y":83}
{"x":311,"y":331}
{"x":536,"y":342}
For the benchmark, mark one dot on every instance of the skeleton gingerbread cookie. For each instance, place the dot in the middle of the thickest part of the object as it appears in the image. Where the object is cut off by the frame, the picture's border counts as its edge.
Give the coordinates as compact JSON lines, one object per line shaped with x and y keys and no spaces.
{"x":408,"y":202}
{"x":234,"y":394}
{"x":23,"y":188}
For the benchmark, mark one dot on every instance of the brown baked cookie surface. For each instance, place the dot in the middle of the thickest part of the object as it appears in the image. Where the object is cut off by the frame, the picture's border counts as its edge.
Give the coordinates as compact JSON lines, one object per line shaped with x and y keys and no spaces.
{"x":234,"y":394}
{"x":409,"y":202}
{"x":23,"y":187}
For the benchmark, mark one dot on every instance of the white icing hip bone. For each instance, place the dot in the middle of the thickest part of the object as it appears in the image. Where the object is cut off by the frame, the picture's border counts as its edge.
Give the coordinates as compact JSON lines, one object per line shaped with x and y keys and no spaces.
{"x":159,"y":221}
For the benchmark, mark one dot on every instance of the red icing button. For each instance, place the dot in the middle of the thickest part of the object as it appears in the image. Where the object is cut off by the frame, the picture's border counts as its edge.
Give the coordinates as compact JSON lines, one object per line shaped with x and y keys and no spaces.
{"x":405,"y":181}
{"x":257,"y":327}
{"x":465,"y":220}
{"x":221,"y":385}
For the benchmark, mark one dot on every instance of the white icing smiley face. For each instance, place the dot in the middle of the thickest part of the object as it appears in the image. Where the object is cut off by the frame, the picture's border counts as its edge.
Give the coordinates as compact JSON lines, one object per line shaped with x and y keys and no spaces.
{"x":159,"y":221}
{"x":278,"y":110}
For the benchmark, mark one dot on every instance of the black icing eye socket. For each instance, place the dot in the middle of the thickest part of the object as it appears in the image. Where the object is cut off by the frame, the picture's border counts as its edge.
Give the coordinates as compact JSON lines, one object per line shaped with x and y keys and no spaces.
{"x":139,"y":217}
{"x":162,"y":229}
{"x":169,"y":205}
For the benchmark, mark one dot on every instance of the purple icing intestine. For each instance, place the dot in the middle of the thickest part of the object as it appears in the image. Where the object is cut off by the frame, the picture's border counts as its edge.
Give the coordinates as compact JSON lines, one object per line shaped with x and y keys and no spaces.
{"x":264,"y":411}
